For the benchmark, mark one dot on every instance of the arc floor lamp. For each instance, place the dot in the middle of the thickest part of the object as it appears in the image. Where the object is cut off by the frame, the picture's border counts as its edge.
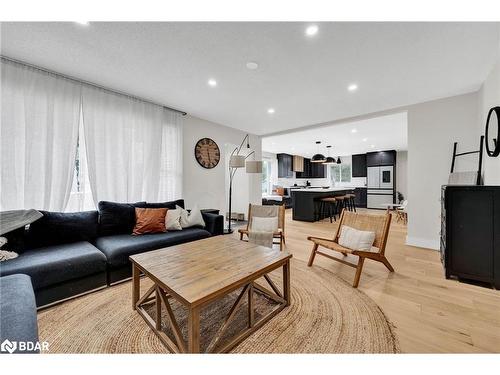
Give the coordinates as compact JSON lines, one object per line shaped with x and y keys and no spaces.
{"x":237,"y":161}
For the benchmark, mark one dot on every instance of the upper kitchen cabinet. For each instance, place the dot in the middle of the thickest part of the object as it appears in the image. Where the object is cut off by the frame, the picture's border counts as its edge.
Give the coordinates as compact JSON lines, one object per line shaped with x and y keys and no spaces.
{"x":285,"y":166}
{"x":306,"y":169}
{"x":380,"y":158}
{"x":312,"y":170}
{"x":359,"y":165}
{"x":318,"y":170}
{"x":298,"y":163}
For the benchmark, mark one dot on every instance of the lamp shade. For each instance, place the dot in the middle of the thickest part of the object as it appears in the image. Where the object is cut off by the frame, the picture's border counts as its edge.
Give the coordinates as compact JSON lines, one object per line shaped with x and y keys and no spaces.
{"x":318,"y":158}
{"x":329,"y":160}
{"x":339,"y":161}
{"x":237,"y":161}
{"x":254,"y":166}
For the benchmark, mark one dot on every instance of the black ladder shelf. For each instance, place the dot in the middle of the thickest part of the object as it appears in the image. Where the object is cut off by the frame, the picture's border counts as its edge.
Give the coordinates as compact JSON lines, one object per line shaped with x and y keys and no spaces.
{"x":480,"y":152}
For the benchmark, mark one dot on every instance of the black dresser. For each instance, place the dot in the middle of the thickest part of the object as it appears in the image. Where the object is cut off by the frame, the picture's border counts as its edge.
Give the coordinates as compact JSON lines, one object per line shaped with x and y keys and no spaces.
{"x":470,"y":232}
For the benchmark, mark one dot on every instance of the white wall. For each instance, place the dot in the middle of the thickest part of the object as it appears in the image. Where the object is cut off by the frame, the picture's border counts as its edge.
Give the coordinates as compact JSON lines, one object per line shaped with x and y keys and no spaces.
{"x":489,"y":96}
{"x":207,"y":187}
{"x":432,"y":129}
{"x":402,"y":173}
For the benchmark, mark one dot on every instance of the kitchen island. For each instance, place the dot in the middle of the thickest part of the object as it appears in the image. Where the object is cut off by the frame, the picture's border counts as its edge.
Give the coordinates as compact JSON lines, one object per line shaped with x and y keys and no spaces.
{"x":303,"y":200}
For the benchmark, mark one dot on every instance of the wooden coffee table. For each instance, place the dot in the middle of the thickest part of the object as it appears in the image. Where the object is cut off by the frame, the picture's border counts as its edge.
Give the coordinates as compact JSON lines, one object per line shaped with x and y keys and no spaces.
{"x":200,"y":272}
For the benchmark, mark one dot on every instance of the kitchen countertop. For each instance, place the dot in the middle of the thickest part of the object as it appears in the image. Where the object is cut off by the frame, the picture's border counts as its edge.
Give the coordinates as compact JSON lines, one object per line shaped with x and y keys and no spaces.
{"x":321,"y":190}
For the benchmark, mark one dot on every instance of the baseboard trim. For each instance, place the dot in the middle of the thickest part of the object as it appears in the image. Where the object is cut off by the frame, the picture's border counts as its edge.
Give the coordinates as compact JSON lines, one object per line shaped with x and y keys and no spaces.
{"x":422,"y":242}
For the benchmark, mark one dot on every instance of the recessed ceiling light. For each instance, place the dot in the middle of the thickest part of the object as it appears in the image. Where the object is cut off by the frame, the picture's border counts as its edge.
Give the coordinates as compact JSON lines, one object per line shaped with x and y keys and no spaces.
{"x":365,"y":139}
{"x":84,"y":23}
{"x":271,"y":110}
{"x":252,"y":65}
{"x":212,"y":82}
{"x":354,"y":130}
{"x":352,"y":87}
{"x":372,"y":146}
{"x":312,"y":30}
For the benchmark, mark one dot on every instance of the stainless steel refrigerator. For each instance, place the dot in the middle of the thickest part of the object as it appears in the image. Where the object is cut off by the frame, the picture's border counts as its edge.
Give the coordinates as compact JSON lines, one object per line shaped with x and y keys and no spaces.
{"x":381,"y":185}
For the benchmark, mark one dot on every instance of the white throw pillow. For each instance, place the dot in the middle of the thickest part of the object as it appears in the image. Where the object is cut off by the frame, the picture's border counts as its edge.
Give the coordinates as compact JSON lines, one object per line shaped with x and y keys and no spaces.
{"x":356,"y":239}
{"x":191,"y":219}
{"x":264,"y":224}
{"x":173,"y":219}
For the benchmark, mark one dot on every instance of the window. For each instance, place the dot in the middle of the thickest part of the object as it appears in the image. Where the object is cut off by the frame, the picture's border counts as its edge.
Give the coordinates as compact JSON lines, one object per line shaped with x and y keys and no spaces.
{"x":80,"y":198}
{"x":340,"y":173}
{"x":266,"y":177}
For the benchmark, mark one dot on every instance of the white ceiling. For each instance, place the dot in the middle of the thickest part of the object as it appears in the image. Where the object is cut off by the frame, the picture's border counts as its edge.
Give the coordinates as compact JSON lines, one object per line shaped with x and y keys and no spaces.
{"x":383,"y":133}
{"x":303,"y":78}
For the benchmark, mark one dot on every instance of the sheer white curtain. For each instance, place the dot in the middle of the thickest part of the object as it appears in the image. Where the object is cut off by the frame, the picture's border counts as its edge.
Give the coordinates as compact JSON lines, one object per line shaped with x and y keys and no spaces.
{"x":38,"y":136}
{"x":171,"y":157}
{"x":131,"y":148}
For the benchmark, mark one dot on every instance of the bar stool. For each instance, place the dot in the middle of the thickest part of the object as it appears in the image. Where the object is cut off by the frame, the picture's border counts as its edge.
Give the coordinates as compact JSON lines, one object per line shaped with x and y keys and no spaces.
{"x":351,"y":202}
{"x":318,"y":206}
{"x":330,"y":204}
{"x":341,"y":200}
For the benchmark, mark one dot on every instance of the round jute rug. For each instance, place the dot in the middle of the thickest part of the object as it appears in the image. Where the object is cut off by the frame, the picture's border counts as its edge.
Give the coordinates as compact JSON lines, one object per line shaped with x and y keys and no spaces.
{"x":326,"y":315}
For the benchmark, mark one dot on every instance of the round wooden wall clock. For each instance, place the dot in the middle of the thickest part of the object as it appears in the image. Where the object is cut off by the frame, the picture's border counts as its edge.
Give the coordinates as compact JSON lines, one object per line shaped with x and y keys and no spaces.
{"x":207,"y":153}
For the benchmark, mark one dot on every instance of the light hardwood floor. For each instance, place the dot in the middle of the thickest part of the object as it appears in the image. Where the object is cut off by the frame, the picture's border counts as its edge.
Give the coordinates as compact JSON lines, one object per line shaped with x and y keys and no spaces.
{"x":431,"y":314}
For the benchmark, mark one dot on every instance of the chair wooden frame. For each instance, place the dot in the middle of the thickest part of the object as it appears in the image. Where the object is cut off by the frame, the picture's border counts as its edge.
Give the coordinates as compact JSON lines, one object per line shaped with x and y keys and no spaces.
{"x":279,"y":234}
{"x":379,"y":224}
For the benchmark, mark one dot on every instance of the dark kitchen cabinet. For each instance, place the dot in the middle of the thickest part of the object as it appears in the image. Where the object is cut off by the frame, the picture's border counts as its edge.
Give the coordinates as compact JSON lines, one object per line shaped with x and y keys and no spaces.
{"x":318,"y":170}
{"x":361,"y":197}
{"x":470,"y":232}
{"x":359,"y":165}
{"x":285,"y":166}
{"x":312,"y":170}
{"x":380,"y":158}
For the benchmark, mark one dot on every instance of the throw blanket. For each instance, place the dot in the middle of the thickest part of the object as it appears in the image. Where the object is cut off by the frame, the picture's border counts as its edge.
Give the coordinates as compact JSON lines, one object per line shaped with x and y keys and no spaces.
{"x":462,"y":178}
{"x":264,"y":211}
{"x":4,"y":254}
{"x":10,"y":220}
{"x":262,"y":238}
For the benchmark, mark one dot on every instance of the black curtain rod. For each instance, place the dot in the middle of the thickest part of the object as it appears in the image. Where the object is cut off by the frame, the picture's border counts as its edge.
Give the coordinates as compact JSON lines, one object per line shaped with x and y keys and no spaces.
{"x":9,"y":59}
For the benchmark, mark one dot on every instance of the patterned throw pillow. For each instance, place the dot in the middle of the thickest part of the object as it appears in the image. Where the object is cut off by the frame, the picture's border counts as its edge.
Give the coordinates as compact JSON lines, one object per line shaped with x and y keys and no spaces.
{"x":191,"y":219}
{"x":173,"y":219}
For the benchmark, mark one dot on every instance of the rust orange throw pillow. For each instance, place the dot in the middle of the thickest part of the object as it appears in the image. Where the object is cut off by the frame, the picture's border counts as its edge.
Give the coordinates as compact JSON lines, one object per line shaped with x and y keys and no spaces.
{"x":149,"y":220}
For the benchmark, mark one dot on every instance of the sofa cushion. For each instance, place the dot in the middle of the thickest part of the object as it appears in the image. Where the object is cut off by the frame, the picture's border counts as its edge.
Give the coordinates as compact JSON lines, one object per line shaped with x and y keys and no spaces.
{"x":18,"y":310}
{"x":118,"y":248}
{"x":56,"y":264}
{"x":170,"y":205}
{"x":56,"y":228}
{"x":117,"y":218}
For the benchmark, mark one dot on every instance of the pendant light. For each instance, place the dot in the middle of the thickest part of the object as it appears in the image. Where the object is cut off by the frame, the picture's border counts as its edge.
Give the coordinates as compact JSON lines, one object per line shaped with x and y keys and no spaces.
{"x":339,"y":161}
{"x":329,"y":160}
{"x":318,"y":158}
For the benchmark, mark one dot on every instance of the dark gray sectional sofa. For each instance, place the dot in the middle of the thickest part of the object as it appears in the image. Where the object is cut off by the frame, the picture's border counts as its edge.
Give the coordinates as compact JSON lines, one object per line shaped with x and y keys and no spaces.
{"x":67,"y":254}
{"x":18,"y":321}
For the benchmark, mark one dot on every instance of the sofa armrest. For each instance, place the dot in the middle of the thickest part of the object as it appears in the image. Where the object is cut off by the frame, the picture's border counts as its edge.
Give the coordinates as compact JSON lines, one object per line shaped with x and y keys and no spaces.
{"x":213,"y":223}
{"x":18,"y":312}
